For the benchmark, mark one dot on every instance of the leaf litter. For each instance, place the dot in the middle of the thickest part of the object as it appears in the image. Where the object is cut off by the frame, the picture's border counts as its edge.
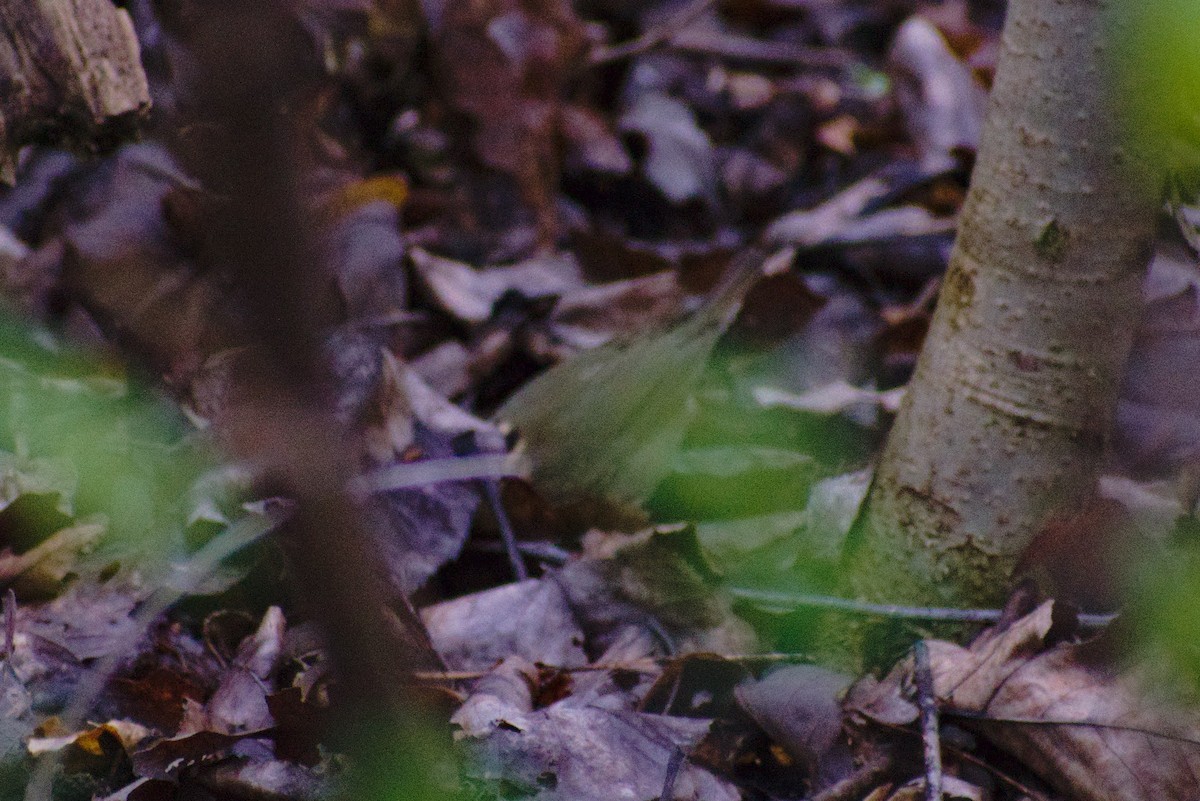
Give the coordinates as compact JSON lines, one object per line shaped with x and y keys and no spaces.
{"x":545,"y":226}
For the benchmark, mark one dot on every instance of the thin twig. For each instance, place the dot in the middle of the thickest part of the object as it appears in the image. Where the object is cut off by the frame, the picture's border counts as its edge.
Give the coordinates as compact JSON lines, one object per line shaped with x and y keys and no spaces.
{"x":673,"y":765}
{"x":927,"y":707}
{"x":657,"y":35}
{"x":757,"y":51}
{"x":545,"y":552}
{"x":974,"y":760}
{"x":432,"y":471}
{"x":468,"y":447}
{"x":864,"y":778}
{"x":789,"y":601}
{"x":491,"y":491}
{"x":648,"y":665}
{"x":10,"y":623}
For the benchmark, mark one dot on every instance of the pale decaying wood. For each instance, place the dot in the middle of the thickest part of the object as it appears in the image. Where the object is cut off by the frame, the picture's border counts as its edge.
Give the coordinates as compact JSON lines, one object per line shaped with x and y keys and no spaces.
{"x":70,"y":66}
{"x":1008,"y":414}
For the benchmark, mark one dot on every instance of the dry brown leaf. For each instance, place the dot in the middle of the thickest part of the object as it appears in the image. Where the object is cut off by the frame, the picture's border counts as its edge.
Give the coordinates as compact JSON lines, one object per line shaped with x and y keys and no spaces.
{"x":239,"y":704}
{"x":798,"y":706}
{"x":592,"y":315}
{"x":590,"y":754}
{"x":1094,"y":732}
{"x":680,"y":160}
{"x":529,"y":619}
{"x":658,"y":579}
{"x":42,"y":569}
{"x":503,"y":65}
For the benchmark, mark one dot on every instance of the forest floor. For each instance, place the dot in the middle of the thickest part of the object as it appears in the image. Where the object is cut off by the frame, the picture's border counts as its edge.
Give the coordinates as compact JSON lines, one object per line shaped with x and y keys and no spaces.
{"x":614,"y":302}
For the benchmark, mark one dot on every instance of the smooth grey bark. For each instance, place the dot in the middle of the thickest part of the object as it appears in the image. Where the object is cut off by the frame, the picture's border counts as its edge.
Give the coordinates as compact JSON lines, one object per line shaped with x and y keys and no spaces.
{"x":1008,"y":415}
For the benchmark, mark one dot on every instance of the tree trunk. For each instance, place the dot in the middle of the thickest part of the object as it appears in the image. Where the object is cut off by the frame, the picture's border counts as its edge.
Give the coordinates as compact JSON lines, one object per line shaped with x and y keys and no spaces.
{"x":1008,"y":415}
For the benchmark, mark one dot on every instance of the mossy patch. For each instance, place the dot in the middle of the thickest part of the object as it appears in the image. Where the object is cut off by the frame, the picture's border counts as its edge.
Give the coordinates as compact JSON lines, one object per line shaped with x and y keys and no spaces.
{"x":1051,"y":243}
{"x":958,"y":292}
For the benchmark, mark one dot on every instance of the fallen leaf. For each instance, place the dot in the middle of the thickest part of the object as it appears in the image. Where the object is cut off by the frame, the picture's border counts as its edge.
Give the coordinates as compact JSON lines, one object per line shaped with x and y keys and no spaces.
{"x":942,"y":103}
{"x":266,"y":779}
{"x":799,"y":706}
{"x":167,"y":758}
{"x":679,"y":157}
{"x":470,"y":294}
{"x":591,"y":754}
{"x":505,"y":691}
{"x":659,"y":580}
{"x":300,"y":725}
{"x":589,"y":316}
{"x":591,"y":143}
{"x":41,"y":571}
{"x":504,"y":64}
{"x":126,"y":265}
{"x":530,"y":619}
{"x":239,"y":703}
{"x":419,"y":529}
{"x":366,"y":257}
{"x":157,"y":698}
{"x":1093,"y":731}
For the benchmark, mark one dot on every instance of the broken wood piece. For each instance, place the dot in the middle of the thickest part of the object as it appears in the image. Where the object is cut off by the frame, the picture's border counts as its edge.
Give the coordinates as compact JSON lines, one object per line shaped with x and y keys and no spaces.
{"x":70,"y":68}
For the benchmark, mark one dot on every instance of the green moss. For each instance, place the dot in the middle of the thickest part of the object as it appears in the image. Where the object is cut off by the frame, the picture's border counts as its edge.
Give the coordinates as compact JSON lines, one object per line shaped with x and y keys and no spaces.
{"x":958,"y":293}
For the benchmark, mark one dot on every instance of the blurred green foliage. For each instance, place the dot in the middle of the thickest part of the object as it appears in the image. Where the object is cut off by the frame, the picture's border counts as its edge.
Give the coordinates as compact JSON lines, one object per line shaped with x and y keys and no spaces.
{"x":413,"y":761}
{"x":1167,"y":607}
{"x":1157,"y":70}
{"x":71,"y":428}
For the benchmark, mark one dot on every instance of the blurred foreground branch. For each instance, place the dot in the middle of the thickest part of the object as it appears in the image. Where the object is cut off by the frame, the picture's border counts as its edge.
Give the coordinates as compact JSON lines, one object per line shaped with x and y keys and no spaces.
{"x":248,"y":75}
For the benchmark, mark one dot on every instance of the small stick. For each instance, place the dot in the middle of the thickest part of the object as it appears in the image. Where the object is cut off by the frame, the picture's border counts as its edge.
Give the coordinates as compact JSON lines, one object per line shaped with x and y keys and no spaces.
{"x":10,"y":623}
{"x":649,"y":665}
{"x":974,"y":760}
{"x":546,"y":552}
{"x":673,"y":765}
{"x":491,"y":491}
{"x":927,"y":706}
{"x":652,"y":38}
{"x":858,"y":783}
{"x":466,"y":447}
{"x":757,"y":51}
{"x":788,"y":600}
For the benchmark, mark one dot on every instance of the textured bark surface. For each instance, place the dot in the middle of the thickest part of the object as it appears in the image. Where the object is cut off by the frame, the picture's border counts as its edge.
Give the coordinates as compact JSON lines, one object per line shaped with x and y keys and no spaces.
{"x":71,"y":65}
{"x":1008,"y":414}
